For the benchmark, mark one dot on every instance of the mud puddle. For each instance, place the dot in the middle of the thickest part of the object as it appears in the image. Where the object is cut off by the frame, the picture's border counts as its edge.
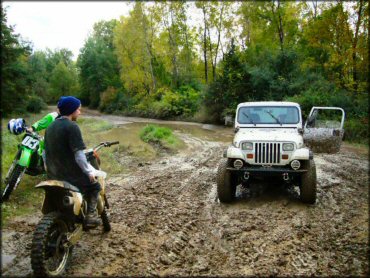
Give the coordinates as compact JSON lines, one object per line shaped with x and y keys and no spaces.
{"x":166,"y":219}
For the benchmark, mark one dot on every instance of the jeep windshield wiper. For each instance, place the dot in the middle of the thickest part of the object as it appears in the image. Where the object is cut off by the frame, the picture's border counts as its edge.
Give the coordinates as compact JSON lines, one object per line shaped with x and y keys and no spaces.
{"x":276,"y":119}
{"x":249,"y":118}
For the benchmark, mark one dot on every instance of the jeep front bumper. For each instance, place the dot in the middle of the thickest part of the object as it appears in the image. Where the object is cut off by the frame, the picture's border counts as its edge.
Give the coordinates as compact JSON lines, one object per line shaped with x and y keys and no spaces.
{"x":267,"y":171}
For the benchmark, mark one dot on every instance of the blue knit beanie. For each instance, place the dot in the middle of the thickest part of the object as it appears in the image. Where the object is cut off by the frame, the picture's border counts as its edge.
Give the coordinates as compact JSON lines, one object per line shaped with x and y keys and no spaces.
{"x":68,"y":105}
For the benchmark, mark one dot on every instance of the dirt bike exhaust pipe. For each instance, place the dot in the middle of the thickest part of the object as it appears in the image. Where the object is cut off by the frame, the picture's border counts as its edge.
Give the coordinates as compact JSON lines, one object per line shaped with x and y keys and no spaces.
{"x":68,"y":201}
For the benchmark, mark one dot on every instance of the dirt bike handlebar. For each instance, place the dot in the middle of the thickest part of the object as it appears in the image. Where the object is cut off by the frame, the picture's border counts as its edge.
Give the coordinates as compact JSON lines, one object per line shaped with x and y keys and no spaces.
{"x":33,"y":133}
{"x":105,"y":144}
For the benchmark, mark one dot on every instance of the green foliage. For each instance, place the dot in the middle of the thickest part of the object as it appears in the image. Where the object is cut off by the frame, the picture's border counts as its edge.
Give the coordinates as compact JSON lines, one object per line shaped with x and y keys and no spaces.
{"x":98,"y":64}
{"x":14,"y":70}
{"x":167,"y":103}
{"x":63,"y":82}
{"x":232,"y":86}
{"x":356,"y":130}
{"x":134,"y":49}
{"x":113,"y":100}
{"x":159,"y":135}
{"x":35,"y":104}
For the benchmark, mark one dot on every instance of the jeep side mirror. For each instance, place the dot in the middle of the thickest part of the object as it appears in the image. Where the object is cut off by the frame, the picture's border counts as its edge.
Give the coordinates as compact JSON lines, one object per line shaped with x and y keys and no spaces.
{"x":300,"y":130}
{"x":236,"y":129}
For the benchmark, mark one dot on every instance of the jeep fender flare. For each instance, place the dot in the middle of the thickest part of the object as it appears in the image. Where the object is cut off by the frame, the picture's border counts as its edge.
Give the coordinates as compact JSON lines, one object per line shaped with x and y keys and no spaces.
{"x":233,"y":152}
{"x":302,"y":154}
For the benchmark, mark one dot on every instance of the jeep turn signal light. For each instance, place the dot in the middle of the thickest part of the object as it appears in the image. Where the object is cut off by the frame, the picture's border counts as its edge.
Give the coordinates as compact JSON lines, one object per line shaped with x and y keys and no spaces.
{"x":250,"y":155}
{"x":285,"y":156}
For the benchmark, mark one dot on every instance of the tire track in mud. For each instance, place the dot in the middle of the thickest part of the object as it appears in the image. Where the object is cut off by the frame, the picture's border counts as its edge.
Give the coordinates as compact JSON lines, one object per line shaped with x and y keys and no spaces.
{"x":166,"y":220}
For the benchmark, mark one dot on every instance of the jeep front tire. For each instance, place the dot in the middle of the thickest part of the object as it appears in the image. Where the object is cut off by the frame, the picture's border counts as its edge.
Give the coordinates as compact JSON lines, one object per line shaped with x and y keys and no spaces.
{"x":226,"y":182}
{"x":308,"y":183}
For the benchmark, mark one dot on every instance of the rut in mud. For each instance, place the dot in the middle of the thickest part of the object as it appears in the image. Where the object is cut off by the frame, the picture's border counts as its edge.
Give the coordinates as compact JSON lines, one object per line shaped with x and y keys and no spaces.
{"x":166,"y":220}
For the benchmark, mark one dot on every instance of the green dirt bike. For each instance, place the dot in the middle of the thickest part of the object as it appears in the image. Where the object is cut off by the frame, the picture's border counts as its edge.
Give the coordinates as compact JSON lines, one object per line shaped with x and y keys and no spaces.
{"x":62,"y":225}
{"x":27,"y":160}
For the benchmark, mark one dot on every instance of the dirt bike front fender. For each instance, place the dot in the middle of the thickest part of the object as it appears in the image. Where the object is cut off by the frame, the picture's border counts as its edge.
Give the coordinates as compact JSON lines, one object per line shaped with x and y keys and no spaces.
{"x":25,"y":158}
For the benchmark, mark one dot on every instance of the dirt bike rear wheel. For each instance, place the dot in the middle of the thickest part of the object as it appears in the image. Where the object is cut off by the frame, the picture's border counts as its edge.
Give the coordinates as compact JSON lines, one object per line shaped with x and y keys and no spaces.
{"x":49,"y":253}
{"x":106,"y":224}
{"x":12,"y":182}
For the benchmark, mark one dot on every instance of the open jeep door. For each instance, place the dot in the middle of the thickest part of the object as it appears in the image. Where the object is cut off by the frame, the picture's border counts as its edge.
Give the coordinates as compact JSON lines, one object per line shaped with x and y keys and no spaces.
{"x":323,"y":130}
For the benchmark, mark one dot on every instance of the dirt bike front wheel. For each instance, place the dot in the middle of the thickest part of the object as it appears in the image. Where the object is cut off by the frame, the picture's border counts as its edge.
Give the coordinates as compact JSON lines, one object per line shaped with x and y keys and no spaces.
{"x":50,"y":252}
{"x":14,"y":179}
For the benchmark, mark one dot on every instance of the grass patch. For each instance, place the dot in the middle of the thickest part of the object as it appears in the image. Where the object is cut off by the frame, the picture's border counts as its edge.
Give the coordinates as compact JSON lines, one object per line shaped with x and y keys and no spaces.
{"x":162,"y":136}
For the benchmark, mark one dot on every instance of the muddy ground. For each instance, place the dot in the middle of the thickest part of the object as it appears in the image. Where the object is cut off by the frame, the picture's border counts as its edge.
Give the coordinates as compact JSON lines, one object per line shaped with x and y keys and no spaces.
{"x":166,"y":220}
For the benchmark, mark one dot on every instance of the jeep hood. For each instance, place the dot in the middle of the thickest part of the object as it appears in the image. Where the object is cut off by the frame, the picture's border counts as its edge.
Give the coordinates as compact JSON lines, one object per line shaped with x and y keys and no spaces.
{"x":268,"y":134}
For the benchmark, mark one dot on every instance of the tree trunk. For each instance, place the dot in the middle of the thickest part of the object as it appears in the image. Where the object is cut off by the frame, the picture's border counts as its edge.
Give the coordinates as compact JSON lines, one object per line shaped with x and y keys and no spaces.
{"x":173,"y":47}
{"x":205,"y":45}
{"x":149,"y":51}
{"x":280,"y":28}
{"x":315,"y":4}
{"x":218,"y":43}
{"x":279,"y":23}
{"x":354,"y":47}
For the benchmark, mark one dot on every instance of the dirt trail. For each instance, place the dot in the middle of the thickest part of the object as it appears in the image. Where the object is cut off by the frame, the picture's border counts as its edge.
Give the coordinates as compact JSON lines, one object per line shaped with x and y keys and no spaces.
{"x":167,"y":220}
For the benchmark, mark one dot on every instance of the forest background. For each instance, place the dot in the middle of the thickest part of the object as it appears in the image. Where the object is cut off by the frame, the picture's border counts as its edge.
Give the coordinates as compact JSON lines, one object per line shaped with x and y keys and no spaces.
{"x":155,"y":63}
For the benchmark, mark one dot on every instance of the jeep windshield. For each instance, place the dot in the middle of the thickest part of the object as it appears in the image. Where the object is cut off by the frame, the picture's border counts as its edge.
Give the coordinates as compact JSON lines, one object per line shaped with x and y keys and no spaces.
{"x":268,"y":115}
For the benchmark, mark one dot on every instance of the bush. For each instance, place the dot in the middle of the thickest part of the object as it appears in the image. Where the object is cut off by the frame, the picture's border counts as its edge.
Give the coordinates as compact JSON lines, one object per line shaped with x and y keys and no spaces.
{"x":158,"y":135}
{"x":356,"y":130}
{"x":166,"y":103}
{"x":35,"y":104}
{"x":113,"y":99}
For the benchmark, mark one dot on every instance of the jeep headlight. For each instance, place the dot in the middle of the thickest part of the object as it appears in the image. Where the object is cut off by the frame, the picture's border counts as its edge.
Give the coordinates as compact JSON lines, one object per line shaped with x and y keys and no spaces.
{"x":247,"y":146}
{"x":288,"y":146}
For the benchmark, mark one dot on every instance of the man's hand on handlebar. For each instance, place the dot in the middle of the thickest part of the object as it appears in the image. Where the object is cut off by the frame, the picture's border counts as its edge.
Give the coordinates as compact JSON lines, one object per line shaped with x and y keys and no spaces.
{"x":30,"y":129}
{"x":92,"y":178}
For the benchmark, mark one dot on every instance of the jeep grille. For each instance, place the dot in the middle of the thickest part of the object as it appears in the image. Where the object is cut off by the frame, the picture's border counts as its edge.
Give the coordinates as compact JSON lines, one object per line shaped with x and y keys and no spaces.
{"x":267,"y":153}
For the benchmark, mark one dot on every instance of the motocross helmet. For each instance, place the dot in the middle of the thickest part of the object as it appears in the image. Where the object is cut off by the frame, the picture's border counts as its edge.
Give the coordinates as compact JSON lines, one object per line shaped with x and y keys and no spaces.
{"x":17,"y":126}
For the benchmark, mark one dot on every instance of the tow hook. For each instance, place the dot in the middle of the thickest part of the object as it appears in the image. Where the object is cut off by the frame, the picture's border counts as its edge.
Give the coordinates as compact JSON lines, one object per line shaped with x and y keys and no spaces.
{"x":246,"y":175}
{"x":286,"y":176}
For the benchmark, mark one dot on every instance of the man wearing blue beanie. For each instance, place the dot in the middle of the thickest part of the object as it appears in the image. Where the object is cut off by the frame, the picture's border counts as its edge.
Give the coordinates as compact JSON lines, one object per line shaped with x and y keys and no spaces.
{"x":65,"y":159}
{"x":68,"y":105}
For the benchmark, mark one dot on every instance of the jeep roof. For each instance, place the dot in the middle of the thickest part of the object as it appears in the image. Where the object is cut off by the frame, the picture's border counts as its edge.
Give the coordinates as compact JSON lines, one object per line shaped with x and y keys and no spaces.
{"x":268,"y":103}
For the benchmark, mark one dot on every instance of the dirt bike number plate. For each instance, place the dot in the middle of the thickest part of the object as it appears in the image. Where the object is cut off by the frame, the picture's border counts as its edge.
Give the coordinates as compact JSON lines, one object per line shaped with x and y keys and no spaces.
{"x":30,"y":142}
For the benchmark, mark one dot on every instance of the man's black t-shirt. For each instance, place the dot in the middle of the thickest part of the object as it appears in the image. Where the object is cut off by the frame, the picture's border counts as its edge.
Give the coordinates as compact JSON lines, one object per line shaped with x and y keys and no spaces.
{"x":62,"y":139}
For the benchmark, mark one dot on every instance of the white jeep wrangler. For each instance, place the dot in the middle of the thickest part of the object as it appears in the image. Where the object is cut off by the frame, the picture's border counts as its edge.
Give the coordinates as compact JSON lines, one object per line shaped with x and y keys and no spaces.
{"x":270,"y":141}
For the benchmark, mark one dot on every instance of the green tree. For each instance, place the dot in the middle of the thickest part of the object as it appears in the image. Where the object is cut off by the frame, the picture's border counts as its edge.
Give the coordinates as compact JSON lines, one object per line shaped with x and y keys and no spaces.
{"x":14,"y":71}
{"x":133,"y":40}
{"x":174,"y":45}
{"x":63,"y":81}
{"x":39,"y":75}
{"x":232,"y":86}
{"x":98,"y":64}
